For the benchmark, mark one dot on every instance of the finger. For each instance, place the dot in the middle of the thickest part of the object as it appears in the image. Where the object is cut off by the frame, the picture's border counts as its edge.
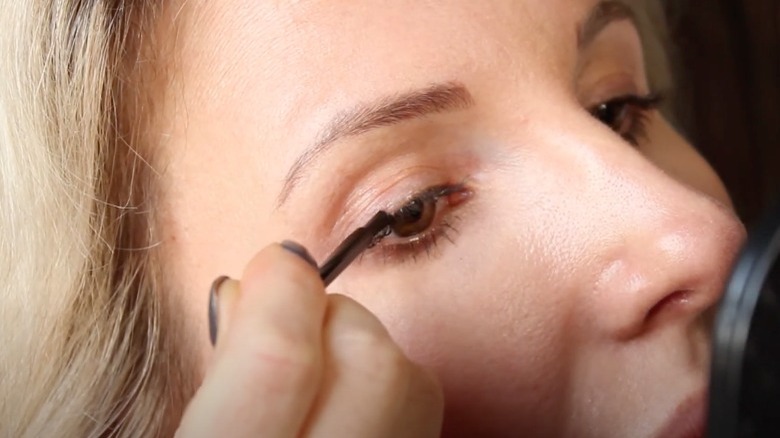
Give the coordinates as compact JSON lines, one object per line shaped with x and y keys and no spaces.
{"x":368,"y":381}
{"x":222,"y":300}
{"x":422,"y":411}
{"x":268,"y":362}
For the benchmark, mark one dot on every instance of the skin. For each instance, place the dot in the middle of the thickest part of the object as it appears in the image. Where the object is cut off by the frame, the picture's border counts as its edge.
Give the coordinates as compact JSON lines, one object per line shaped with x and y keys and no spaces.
{"x":327,"y":364}
{"x":576,"y":295}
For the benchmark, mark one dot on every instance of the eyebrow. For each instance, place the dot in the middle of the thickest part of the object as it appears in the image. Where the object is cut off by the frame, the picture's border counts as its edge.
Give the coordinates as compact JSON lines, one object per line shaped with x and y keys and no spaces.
{"x":450,"y":96}
{"x":388,"y":111}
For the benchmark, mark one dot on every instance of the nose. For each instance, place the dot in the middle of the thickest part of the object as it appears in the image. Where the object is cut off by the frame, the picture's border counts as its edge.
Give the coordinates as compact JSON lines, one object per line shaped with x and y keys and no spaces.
{"x":670,"y":266}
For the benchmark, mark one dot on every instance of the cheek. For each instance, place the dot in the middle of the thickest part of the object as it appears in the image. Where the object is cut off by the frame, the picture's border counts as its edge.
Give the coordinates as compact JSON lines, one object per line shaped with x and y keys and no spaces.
{"x":482,"y":325}
{"x":491,"y":315}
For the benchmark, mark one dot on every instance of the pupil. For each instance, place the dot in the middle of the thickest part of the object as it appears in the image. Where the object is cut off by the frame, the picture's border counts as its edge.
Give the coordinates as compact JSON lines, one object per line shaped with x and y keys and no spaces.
{"x":413,"y":212}
{"x":414,"y":218}
{"x":606,"y":113}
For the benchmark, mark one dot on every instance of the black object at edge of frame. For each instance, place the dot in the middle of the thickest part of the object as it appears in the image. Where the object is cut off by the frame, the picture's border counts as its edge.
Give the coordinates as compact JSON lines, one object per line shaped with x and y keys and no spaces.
{"x":733,"y":323}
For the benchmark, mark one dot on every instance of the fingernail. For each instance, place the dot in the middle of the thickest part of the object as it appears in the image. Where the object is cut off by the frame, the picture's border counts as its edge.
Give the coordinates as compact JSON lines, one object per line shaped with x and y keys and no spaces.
{"x":300,"y":251}
{"x":214,"y":308}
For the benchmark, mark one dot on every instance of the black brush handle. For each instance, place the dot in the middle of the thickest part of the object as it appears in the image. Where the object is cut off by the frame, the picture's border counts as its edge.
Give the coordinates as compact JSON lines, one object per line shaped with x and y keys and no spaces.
{"x":357,"y":242}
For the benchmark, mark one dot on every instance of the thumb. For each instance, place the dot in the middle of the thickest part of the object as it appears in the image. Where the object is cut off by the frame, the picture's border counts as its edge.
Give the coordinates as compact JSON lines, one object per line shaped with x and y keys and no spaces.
{"x":223,"y":297}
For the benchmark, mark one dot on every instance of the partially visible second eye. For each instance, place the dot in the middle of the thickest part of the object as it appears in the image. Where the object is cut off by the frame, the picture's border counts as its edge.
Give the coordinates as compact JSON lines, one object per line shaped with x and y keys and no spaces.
{"x":626,"y":115}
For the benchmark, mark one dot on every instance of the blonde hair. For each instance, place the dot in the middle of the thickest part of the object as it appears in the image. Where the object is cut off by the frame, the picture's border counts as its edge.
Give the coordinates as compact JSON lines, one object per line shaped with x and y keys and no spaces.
{"x":87,"y":344}
{"x":81,"y":327}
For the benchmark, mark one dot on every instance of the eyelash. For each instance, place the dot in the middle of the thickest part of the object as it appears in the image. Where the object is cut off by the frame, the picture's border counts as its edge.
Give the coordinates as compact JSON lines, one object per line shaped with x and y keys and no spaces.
{"x":442,"y":225}
{"x":631,"y":109}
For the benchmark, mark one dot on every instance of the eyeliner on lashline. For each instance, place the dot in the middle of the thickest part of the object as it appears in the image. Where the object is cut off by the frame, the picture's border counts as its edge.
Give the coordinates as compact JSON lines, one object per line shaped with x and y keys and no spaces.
{"x":361,"y":239}
{"x":379,"y":227}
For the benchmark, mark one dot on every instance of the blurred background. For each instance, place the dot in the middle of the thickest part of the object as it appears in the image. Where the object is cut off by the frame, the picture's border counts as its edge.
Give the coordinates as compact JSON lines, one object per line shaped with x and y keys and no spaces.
{"x":726,"y":62}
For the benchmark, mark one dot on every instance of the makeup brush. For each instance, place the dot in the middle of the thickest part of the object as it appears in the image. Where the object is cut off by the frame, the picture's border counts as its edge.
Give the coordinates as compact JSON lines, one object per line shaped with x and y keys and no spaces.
{"x":379,"y":227}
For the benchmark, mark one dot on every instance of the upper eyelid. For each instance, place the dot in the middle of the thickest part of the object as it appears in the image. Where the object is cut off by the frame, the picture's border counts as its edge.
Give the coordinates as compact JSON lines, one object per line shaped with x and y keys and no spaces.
{"x":611,"y":87}
{"x":412,"y":174}
{"x":603,"y":38}
{"x":598,"y":64}
{"x":448,"y":96}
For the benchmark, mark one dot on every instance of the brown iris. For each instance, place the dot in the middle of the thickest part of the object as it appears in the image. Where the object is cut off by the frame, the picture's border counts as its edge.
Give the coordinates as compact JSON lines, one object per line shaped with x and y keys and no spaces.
{"x":415,"y":217}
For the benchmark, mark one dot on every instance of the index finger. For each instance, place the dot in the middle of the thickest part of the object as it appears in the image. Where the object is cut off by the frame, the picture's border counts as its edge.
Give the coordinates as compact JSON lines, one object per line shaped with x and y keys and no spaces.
{"x":268,"y":364}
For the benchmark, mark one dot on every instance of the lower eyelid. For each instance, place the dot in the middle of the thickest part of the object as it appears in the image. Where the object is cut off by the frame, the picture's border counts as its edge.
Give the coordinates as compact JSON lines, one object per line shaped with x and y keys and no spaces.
{"x":428,"y":245}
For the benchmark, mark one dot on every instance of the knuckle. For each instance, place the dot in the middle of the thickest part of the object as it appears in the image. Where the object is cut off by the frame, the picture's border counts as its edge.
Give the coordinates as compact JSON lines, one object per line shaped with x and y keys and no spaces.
{"x":427,"y":391}
{"x":283,"y":365}
{"x":298,"y":277}
{"x":380,"y":360}
{"x":270,"y":263}
{"x":368,"y":351}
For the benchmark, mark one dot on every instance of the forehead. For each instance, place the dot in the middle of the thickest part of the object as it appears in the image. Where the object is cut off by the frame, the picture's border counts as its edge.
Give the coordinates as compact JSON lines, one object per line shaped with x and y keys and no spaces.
{"x":270,"y":74}
{"x":365,"y":43}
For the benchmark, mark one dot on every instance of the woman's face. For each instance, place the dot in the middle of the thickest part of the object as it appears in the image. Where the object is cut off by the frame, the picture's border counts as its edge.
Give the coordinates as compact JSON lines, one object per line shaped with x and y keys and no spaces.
{"x":565,"y":266}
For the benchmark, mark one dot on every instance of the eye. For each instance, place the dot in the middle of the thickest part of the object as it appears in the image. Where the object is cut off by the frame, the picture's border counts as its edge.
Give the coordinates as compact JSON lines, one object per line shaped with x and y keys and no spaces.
{"x":415,"y":217}
{"x":421,"y":222}
{"x":626,"y":115}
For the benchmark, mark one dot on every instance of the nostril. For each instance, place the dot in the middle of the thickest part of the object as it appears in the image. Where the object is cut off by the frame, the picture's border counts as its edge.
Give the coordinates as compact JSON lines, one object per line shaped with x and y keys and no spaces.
{"x":675,"y":303}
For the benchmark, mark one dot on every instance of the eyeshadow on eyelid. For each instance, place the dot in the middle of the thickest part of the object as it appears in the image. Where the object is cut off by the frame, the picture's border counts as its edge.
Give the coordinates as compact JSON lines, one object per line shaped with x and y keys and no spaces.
{"x":615,"y":49}
{"x":343,"y":200}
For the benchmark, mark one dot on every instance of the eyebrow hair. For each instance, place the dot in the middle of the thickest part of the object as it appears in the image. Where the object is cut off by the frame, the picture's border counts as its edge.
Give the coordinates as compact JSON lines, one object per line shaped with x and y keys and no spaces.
{"x":601,"y":16}
{"x":387,"y":111}
{"x":437,"y":98}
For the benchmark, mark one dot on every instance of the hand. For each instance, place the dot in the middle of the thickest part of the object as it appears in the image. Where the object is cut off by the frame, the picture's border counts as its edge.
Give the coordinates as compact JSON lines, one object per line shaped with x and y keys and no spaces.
{"x":291,"y":361}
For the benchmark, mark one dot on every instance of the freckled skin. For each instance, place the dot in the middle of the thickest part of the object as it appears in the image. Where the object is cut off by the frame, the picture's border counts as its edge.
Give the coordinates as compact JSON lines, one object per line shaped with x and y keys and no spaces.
{"x":537,"y":317}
